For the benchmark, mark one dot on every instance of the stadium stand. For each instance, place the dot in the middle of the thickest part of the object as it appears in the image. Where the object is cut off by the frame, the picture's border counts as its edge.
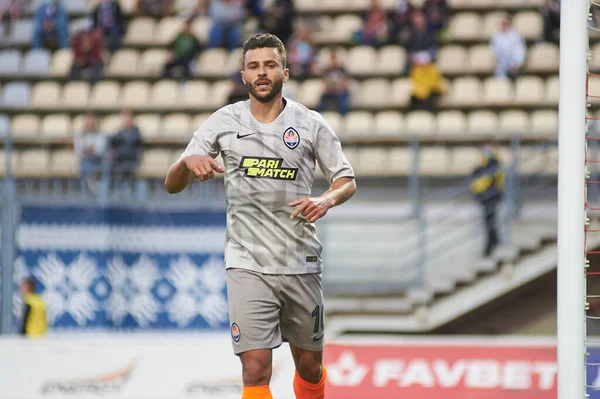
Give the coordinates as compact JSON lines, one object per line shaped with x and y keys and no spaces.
{"x":42,"y":106}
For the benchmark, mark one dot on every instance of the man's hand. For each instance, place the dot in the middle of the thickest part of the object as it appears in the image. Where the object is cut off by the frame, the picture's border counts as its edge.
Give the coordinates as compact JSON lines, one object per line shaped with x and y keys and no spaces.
{"x":312,"y":209}
{"x":202,"y":166}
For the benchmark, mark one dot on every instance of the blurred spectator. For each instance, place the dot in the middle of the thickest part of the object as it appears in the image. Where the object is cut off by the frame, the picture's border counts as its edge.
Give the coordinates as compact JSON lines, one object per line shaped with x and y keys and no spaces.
{"x":336,"y":86}
{"x":35,"y":324}
{"x":427,"y":83}
{"x":401,"y":18}
{"x":375,"y":30}
{"x":126,"y":148}
{"x":50,"y":26}
{"x":421,"y":46}
{"x":437,"y":13}
{"x":551,"y":13}
{"x":508,"y":46}
{"x":109,"y":17}
{"x":238,"y":91}
{"x":487,"y":186}
{"x":153,"y":8}
{"x":183,"y":50}
{"x":87,"y":56}
{"x":278,"y":18}
{"x":301,"y":54}
{"x":254,"y":8}
{"x":227,"y":17}
{"x":90,"y":146}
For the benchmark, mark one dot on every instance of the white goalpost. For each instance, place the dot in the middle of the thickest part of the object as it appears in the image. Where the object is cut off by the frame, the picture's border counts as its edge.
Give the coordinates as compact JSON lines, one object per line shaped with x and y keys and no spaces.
{"x":571,"y":329}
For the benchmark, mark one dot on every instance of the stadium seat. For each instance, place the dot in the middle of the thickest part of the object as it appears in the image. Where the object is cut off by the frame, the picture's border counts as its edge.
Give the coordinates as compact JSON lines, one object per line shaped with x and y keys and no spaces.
{"x":452,"y":59}
{"x":310,"y":92}
{"x":361,"y":61}
{"x":234,"y":62}
{"x":75,"y":95}
{"x":135,"y":94}
{"x":212,"y":62}
{"x":464,"y":26}
{"x":219,"y":92}
{"x":123,"y":62}
{"x":552,"y":91}
{"x":464,"y":160}
{"x":452,"y":123}
{"x":111,"y":124}
{"x":79,"y":24}
{"x":308,"y":6}
{"x":335,"y":120}
{"x":152,"y":62}
{"x":434,"y":161}
{"x":389,"y":124}
{"x":25,"y":125}
{"x":401,"y":92}
{"x":542,"y":57}
{"x":140,"y":32}
{"x":391,"y":60}
{"x":491,"y":24}
{"x":483,"y":123}
{"x":167,"y":29}
{"x":10,"y":62}
{"x":544,"y":123}
{"x":529,"y":90}
{"x":464,"y":91}
{"x":481,"y":59}
{"x":127,"y":6}
{"x":154,"y":163}
{"x":77,"y":124}
{"x":149,"y":125}
{"x":324,"y":55}
{"x":36,"y":63}
{"x":333,"y":5}
{"x":498,"y":91}
{"x":529,"y":24}
{"x":358,"y":124}
{"x":551,"y":161}
{"x":56,"y":126}
{"x":514,"y":122}
{"x":16,"y":94}
{"x":45,"y":95}
{"x":201,"y":28}
{"x":176,"y":125}
{"x":594,"y":62}
{"x":33,"y":163}
{"x":420,"y":123}
{"x":400,"y":161}
{"x":61,"y":63}
{"x":21,"y":33}
{"x":164,"y":94}
{"x":75,"y":7}
{"x":343,"y":27}
{"x":374,"y":93}
{"x":64,"y":163}
{"x":195,"y":94}
{"x":374,"y":161}
{"x":105,"y":95}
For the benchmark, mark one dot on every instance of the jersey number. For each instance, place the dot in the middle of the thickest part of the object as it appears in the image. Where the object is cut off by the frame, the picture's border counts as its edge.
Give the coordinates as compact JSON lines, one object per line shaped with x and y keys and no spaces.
{"x":317,"y":314}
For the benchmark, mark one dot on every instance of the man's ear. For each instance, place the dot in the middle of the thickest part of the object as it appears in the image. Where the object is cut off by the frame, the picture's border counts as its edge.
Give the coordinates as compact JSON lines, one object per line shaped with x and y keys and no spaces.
{"x":243,"y":78}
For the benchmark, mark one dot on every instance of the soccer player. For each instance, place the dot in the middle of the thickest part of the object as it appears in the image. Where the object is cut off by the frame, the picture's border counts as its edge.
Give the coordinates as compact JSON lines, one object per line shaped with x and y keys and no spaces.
{"x":269,"y":146}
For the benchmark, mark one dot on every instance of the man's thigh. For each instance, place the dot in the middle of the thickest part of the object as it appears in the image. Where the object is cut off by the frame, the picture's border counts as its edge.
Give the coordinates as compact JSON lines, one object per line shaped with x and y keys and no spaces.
{"x":302,"y":322}
{"x":253,"y":311}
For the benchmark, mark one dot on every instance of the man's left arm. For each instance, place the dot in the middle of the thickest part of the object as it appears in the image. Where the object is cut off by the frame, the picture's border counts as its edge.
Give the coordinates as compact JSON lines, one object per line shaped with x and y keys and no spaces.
{"x":314,"y":208}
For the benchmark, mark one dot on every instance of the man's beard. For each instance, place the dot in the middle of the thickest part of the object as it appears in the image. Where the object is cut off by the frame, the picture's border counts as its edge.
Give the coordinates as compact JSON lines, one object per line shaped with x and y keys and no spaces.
{"x":276,"y":87}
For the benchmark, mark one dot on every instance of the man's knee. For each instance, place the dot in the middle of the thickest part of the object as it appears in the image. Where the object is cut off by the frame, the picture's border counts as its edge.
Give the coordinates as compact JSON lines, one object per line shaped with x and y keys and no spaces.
{"x":308,"y":365}
{"x":256,"y":367}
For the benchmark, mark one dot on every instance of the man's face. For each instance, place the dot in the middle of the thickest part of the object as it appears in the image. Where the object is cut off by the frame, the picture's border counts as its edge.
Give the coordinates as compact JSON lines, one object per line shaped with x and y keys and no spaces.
{"x":264,"y":74}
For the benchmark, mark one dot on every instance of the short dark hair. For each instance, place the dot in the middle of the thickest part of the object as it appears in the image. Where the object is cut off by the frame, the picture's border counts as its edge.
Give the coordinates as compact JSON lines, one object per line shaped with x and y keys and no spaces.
{"x":30,"y":283}
{"x":264,"y":40}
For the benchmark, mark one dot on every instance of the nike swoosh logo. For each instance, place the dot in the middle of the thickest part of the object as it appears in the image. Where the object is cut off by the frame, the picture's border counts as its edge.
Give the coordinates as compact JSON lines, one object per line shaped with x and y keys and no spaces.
{"x":240,"y":136}
{"x":315,"y":339}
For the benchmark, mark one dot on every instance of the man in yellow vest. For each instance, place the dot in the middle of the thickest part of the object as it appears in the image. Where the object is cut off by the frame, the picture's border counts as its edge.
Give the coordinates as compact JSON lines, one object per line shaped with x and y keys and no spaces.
{"x":34,"y":315}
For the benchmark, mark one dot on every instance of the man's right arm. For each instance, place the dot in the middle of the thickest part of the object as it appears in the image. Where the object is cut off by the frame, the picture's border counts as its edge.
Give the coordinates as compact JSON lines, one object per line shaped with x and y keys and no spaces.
{"x":178,"y":177}
{"x":183,"y":171}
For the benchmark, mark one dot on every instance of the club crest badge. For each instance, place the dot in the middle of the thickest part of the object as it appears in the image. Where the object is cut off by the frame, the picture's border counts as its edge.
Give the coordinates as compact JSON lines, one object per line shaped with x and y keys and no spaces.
{"x":291,"y":138}
{"x":235,"y":332}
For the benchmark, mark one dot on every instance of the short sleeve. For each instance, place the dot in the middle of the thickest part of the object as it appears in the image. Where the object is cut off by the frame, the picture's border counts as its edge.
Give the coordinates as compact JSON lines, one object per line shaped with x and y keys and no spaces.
{"x":328,"y":152}
{"x":204,"y":140}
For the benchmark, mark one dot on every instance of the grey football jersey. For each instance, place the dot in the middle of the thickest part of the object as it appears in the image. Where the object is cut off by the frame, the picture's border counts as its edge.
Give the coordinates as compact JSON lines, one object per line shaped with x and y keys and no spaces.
{"x":267,"y":166}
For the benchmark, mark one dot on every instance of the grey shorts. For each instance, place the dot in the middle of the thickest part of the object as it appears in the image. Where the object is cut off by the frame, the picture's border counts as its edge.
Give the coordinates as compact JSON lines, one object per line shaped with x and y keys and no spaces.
{"x":267,"y":309}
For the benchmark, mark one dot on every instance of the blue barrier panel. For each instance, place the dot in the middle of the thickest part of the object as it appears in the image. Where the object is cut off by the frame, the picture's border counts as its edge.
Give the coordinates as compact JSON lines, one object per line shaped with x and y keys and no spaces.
{"x":118,"y":268}
{"x":593,"y":373}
